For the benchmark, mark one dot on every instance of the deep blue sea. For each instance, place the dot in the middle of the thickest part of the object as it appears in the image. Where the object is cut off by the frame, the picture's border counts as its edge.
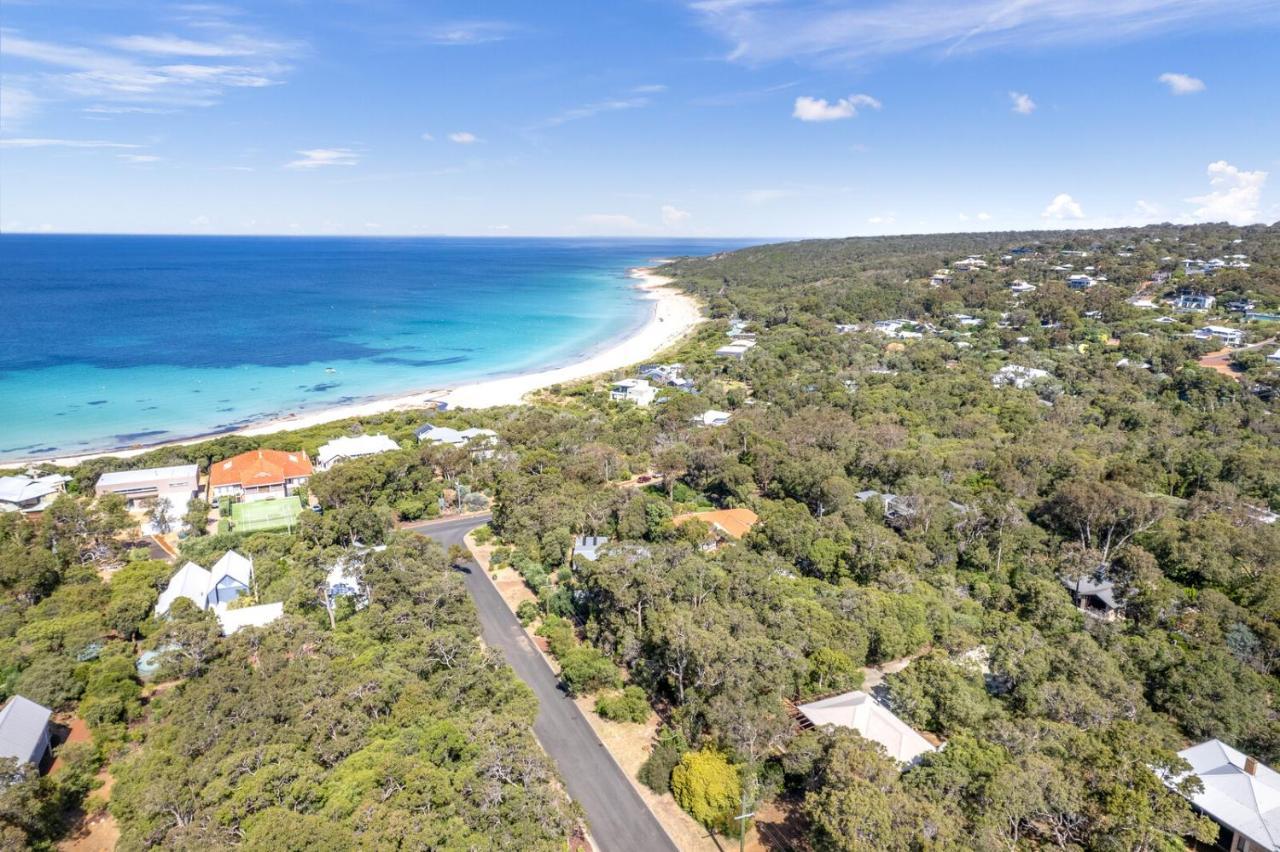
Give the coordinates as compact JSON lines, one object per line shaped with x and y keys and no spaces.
{"x":113,"y":341}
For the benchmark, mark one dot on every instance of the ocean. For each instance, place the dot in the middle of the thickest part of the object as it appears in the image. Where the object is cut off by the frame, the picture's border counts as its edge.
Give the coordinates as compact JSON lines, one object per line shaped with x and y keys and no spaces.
{"x":116,"y":341}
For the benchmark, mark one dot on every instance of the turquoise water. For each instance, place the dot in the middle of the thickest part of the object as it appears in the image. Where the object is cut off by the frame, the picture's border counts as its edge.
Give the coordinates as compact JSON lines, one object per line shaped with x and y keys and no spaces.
{"x":117,"y":341}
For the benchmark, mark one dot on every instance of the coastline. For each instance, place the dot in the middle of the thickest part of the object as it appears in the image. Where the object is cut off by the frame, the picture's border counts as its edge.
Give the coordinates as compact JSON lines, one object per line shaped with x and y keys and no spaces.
{"x":673,"y":315}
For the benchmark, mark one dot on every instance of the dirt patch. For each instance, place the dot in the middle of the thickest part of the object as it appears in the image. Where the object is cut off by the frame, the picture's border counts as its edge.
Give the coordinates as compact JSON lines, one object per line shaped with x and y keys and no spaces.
{"x":1220,"y":362}
{"x":77,"y":732}
{"x":779,"y":826}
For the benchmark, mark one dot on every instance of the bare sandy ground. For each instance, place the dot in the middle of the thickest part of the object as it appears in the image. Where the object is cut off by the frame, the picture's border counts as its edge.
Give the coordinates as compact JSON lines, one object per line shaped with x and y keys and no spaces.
{"x":675,"y":314}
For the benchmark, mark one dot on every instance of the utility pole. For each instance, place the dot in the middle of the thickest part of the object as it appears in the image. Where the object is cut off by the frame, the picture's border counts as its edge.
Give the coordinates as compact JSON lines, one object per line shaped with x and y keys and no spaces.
{"x":742,"y":823}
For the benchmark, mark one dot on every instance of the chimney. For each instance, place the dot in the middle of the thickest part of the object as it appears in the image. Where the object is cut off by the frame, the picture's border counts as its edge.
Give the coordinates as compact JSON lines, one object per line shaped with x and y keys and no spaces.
{"x":1250,"y":766}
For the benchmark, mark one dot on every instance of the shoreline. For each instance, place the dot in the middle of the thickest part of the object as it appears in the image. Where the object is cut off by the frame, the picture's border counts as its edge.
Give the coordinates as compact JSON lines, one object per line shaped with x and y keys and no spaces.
{"x":673,"y":315}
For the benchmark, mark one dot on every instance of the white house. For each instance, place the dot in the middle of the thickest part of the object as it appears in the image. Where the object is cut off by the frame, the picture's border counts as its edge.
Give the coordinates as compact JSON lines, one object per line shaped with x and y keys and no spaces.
{"x":1274,"y":357}
{"x":1194,"y":302}
{"x":1228,"y":336}
{"x":1081,"y":281}
{"x":738,"y":349}
{"x":894,"y":328}
{"x":483,"y":438}
{"x":638,"y":391}
{"x":588,"y":546}
{"x":1019,"y":287}
{"x":340,"y":449}
{"x":24,"y":730}
{"x":26,"y":493}
{"x":1018,"y":376}
{"x":176,"y":484}
{"x":231,"y":577}
{"x":1241,"y":794}
{"x":941,"y":277}
{"x":872,"y":720}
{"x":713,"y":418}
{"x":233,"y":620}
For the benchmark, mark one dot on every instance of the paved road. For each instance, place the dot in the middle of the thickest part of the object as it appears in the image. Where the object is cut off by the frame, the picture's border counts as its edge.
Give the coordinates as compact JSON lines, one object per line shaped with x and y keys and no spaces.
{"x":620,"y":820}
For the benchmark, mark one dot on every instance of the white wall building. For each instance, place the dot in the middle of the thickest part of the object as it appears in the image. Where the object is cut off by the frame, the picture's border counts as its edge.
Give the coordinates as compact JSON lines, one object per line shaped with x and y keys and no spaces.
{"x":638,"y":391}
{"x":872,"y":720}
{"x":340,"y":449}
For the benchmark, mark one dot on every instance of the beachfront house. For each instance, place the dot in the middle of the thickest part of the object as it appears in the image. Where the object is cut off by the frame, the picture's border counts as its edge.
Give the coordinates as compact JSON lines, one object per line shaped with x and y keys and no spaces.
{"x":1094,"y":595}
{"x":1018,"y":376}
{"x":1240,"y":793}
{"x":736,"y":349}
{"x":359,"y":446}
{"x":724,"y":525}
{"x":638,"y":391}
{"x":177,"y":484}
{"x":872,"y":720}
{"x":1228,"y":336}
{"x":481,"y":441}
{"x":668,"y":375}
{"x":260,"y":475}
{"x":30,"y":493}
{"x":231,"y":577}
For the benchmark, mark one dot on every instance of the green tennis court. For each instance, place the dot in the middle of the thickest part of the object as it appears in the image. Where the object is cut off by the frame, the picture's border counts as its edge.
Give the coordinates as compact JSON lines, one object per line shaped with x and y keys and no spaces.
{"x":260,"y":515}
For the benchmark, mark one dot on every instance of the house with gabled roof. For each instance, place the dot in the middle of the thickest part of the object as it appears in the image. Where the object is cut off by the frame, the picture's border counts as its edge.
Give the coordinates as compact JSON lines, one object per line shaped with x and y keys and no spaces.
{"x":260,"y":475}
{"x":1240,"y":793}
{"x":231,"y":577}
{"x":353,"y":447}
{"x":24,"y":730}
{"x":861,"y":712}
{"x":30,"y":493}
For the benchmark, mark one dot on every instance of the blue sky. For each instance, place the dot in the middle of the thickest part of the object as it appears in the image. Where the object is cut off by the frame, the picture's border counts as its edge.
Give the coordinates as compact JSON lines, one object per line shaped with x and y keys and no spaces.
{"x":646,"y":117}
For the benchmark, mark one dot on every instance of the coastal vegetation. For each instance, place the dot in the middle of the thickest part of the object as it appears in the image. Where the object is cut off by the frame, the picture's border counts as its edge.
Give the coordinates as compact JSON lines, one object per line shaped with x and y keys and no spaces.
{"x":915,"y":518}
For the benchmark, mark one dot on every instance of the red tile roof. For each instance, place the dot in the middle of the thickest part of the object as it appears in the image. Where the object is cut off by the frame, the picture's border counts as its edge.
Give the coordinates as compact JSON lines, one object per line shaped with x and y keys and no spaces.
{"x":260,"y":468}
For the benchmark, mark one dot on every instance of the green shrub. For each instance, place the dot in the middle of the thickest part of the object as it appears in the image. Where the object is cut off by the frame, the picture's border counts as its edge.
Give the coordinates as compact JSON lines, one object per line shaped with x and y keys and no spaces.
{"x":630,"y":705}
{"x":559,"y":635}
{"x":707,"y":786}
{"x":527,"y":612}
{"x":482,"y":534}
{"x":655,"y":773}
{"x":584,"y":670}
{"x":410,"y":508}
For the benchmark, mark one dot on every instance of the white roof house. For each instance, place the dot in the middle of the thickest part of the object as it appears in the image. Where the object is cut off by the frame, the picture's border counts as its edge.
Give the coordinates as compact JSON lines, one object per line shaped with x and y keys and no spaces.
{"x":24,"y":493}
{"x":1240,"y":793}
{"x":713,"y":417}
{"x":176,"y":483}
{"x":1022,"y":287}
{"x":340,"y":449}
{"x":871,"y":719}
{"x":638,"y":391}
{"x":1229,"y":336}
{"x":233,"y":620}
{"x":24,"y":730}
{"x":1018,"y":376}
{"x":737,"y":349}
{"x":444,"y":435}
{"x":1274,"y":357}
{"x":588,"y":546}
{"x":232,"y":575}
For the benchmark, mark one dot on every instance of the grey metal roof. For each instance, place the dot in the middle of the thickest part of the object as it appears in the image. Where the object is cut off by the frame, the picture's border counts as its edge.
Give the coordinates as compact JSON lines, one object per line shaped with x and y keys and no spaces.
{"x":24,"y":729}
{"x":1103,"y":590}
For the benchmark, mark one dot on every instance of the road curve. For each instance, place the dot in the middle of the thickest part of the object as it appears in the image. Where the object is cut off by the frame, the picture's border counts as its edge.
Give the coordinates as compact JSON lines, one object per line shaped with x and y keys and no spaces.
{"x":619,"y":819}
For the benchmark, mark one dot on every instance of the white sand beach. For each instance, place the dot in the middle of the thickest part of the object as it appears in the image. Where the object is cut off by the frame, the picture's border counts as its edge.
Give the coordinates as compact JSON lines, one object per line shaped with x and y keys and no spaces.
{"x":675,"y":314}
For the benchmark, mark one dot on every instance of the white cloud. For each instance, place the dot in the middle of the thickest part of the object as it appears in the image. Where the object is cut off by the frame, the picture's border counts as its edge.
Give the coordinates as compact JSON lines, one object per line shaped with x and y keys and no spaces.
{"x":16,"y":106}
{"x":200,"y":221}
{"x":673,"y":216}
{"x":882,"y":219}
{"x":984,"y":217}
{"x":462,"y":137}
{"x":140,"y":69}
{"x":768,"y":31}
{"x":1022,"y":103}
{"x":1063,"y":206}
{"x":139,"y":158}
{"x":467,"y":33}
{"x":588,"y":110}
{"x":1181,"y":84}
{"x":171,"y":45}
{"x":1149,"y":209}
{"x":427,"y":137}
{"x":314,"y":158}
{"x":29,"y":142}
{"x":1235,"y":195}
{"x":818,"y":109}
